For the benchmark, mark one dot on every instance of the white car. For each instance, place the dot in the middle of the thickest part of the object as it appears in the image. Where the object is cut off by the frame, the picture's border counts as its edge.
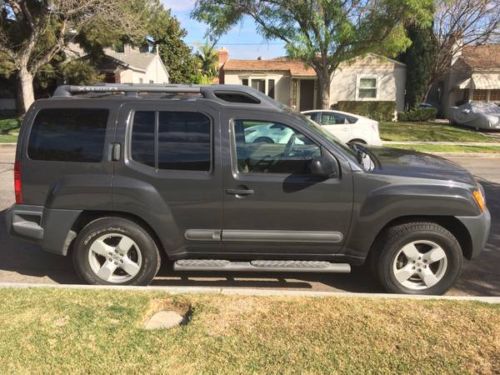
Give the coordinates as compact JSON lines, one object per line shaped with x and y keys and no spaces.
{"x":347,"y":127}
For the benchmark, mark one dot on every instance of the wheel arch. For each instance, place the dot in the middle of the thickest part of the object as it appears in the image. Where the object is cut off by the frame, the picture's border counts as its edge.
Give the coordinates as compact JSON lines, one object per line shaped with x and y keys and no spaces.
{"x":450,"y":223}
{"x":88,"y":216}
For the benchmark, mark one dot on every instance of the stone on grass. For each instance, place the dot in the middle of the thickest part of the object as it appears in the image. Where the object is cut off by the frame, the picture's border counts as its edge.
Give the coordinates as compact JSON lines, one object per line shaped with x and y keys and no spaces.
{"x":164,"y":320}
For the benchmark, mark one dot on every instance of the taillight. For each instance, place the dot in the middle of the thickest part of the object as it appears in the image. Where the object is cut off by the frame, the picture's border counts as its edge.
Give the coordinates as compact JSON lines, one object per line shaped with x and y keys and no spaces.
{"x":18,"y":185}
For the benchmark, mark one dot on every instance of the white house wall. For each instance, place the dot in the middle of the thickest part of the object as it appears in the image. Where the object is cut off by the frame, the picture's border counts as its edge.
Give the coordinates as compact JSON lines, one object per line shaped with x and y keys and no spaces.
{"x":391,"y":81}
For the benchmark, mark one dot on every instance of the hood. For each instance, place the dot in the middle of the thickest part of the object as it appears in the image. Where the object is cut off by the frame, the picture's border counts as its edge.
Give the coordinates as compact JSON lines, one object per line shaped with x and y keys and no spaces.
{"x":407,"y":163}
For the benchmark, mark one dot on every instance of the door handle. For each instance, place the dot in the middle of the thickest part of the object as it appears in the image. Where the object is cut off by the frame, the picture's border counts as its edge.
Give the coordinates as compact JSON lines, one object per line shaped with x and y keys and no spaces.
{"x":240,"y":192}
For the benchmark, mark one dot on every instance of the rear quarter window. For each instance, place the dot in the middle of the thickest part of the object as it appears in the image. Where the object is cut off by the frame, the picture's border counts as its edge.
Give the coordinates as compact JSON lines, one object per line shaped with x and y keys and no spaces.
{"x":71,"y":135}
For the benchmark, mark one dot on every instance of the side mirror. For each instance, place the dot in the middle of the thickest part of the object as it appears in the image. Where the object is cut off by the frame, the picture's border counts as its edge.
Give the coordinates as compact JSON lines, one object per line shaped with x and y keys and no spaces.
{"x":325,"y":166}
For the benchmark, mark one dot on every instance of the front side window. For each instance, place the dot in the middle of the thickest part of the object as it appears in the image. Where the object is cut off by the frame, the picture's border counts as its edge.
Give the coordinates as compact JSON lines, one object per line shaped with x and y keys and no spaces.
{"x":269,"y":147}
{"x":70,"y":135}
{"x":367,"y":88}
{"x":172,"y":140}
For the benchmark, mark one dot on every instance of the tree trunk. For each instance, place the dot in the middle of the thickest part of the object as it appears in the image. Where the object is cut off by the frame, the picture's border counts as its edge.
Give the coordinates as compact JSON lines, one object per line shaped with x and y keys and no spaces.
{"x":25,"y":91}
{"x":324,"y":89}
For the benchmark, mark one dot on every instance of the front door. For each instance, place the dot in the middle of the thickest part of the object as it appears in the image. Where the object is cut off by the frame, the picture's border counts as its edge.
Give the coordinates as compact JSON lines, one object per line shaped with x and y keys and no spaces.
{"x":171,"y":174}
{"x":306,"y":94}
{"x":273,"y":206}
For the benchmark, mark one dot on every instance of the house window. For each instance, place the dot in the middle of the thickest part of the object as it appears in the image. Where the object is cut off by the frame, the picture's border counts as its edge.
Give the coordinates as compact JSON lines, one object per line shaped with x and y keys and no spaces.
{"x":480,"y":95}
{"x":270,"y":88}
{"x":244,"y":81}
{"x":495,"y":96}
{"x":259,"y":84}
{"x":367,"y":88}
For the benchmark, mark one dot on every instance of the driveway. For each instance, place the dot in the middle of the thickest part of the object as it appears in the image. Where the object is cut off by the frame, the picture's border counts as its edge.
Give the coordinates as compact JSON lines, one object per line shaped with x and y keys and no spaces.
{"x":23,"y":262}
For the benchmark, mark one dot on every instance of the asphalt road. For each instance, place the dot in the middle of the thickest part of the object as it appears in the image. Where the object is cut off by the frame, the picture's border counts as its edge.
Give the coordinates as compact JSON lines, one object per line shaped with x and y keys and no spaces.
{"x":26,"y":263}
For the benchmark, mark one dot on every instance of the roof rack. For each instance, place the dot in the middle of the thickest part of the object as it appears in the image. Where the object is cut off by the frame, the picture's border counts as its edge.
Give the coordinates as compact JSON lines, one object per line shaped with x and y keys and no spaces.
{"x":221,"y":93}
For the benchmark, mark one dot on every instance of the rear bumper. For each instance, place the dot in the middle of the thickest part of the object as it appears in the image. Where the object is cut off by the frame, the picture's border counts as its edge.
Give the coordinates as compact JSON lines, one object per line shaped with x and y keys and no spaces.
{"x":479,"y":230}
{"x":49,"y":228}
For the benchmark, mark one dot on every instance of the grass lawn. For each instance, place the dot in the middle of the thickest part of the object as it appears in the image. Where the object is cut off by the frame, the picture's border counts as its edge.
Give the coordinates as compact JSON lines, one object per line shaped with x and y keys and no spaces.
{"x":428,"y":131}
{"x":448,"y":148}
{"x":84,"y":331}
{"x":9,"y":128}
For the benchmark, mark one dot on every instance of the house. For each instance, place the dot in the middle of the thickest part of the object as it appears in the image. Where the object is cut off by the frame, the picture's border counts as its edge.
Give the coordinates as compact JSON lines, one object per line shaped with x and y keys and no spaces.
{"x":474,"y":76}
{"x":132,"y":65}
{"x":367,"y":78}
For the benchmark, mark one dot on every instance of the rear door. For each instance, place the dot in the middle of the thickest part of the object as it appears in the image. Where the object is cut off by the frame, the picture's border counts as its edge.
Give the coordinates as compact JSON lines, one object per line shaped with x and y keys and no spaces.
{"x":337,"y":125}
{"x":170,"y":173}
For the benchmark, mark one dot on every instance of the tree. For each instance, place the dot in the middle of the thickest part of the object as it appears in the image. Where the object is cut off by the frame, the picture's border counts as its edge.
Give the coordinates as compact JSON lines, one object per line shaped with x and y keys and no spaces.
{"x":208,"y":58}
{"x":322,"y":33}
{"x":418,"y":58}
{"x":33,"y":32}
{"x":166,"y":33}
{"x":460,"y":23}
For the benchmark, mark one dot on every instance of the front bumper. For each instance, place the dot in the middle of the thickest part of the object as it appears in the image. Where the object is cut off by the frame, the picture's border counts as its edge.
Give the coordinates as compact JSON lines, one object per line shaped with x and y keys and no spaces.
{"x":49,"y":228}
{"x":479,"y":231}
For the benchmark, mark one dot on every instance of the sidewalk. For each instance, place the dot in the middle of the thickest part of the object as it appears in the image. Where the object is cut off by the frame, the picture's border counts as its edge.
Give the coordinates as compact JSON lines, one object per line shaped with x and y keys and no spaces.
{"x":251,"y":292}
{"x":442,"y":143}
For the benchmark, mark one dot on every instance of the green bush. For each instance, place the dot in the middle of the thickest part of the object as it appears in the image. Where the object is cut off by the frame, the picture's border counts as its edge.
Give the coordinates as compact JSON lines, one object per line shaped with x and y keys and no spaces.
{"x":380,"y":111}
{"x":418,"y":114}
{"x":9,"y":124}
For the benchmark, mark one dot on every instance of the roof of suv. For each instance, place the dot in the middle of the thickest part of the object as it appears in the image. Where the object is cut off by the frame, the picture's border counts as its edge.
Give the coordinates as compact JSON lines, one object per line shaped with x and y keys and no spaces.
{"x":224,"y":95}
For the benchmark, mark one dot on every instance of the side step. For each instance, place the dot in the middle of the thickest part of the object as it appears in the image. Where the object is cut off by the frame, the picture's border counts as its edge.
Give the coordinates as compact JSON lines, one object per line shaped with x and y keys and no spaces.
{"x":261,"y":266}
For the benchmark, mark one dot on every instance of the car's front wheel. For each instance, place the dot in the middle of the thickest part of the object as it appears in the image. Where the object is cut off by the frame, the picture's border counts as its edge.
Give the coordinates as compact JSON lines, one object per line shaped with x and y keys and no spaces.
{"x":115,"y":251}
{"x":417,"y":258}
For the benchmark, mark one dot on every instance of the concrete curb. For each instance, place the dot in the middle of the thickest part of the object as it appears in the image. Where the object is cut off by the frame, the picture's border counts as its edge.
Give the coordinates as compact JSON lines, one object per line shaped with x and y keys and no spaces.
{"x":488,"y":155}
{"x":8,"y":145}
{"x":249,"y":292}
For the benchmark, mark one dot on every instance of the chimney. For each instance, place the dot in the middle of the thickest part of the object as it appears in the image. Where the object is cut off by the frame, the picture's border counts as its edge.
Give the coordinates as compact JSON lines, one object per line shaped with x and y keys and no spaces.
{"x":223,"y":56}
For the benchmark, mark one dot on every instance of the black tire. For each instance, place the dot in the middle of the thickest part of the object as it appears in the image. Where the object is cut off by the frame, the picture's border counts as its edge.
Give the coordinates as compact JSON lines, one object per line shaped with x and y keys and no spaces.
{"x":359,"y":141}
{"x":395,"y":238}
{"x":150,"y":256}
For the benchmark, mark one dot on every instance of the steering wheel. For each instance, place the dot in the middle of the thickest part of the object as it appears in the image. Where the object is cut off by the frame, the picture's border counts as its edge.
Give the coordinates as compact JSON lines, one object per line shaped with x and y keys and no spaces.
{"x":289,"y":145}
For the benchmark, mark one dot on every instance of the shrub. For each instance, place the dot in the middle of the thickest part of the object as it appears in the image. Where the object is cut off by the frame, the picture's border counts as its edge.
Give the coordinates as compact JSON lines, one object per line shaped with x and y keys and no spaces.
{"x":380,"y":111}
{"x":418,"y":114}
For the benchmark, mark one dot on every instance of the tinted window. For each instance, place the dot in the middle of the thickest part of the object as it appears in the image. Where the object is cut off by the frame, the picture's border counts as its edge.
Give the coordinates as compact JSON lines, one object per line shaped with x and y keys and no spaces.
{"x":267,"y":147}
{"x":74,"y":135}
{"x":184,"y":141}
{"x":143,"y":138}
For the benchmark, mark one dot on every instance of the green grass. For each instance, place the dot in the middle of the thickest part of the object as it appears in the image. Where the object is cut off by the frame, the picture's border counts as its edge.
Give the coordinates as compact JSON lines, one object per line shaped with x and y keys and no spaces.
{"x":428,"y":132}
{"x":9,"y":129}
{"x":448,"y":148}
{"x":85,"y":331}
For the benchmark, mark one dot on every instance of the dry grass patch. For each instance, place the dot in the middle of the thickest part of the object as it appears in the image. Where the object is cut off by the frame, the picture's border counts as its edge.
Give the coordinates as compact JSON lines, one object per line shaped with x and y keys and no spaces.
{"x":84,"y":331}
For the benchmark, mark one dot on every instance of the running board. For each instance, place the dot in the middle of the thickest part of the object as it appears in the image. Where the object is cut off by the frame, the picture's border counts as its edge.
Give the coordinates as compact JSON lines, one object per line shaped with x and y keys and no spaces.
{"x":261,"y":266}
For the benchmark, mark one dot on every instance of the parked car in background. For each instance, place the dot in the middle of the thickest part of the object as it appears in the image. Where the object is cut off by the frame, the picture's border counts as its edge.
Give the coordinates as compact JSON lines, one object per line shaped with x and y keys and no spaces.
{"x":477,"y":115}
{"x":347,"y":127}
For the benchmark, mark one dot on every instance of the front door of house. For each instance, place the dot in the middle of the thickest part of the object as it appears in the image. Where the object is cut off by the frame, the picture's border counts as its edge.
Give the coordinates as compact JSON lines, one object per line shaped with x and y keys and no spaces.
{"x":306,"y":94}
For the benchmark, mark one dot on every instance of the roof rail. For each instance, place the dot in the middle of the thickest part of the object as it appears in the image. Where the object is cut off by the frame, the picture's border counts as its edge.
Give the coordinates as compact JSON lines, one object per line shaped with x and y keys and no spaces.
{"x":69,"y":90}
{"x":214,"y":92}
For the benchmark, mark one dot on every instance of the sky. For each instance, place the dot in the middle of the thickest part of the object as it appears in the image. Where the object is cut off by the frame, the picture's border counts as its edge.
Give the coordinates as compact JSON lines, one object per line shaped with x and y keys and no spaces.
{"x":242,"y":41}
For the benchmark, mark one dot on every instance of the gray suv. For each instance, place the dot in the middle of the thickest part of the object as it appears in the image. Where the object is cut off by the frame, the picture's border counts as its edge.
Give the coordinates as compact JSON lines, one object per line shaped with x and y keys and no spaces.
{"x":121,"y":177}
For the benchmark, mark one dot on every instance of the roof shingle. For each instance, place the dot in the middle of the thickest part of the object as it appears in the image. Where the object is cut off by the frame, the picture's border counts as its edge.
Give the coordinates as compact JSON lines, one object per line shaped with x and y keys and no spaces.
{"x":295,"y":68}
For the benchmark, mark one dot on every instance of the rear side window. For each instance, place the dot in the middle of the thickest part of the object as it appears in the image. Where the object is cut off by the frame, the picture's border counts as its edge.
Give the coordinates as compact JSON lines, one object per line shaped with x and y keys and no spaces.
{"x":172,"y":140}
{"x":71,"y":135}
{"x":184,"y":141}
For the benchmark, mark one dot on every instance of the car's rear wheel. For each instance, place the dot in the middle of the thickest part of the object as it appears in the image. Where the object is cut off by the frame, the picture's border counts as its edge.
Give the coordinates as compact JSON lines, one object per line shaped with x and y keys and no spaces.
{"x":115,"y":251}
{"x":417,"y":258}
